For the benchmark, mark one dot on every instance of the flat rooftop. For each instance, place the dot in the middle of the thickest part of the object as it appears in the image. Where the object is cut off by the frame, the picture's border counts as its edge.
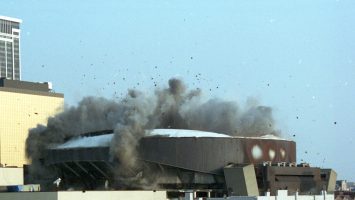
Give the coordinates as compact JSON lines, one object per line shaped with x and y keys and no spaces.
{"x":45,"y":88}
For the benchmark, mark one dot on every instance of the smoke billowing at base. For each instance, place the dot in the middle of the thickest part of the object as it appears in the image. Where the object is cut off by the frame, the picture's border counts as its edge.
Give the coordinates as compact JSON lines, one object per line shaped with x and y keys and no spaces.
{"x":174,"y":107}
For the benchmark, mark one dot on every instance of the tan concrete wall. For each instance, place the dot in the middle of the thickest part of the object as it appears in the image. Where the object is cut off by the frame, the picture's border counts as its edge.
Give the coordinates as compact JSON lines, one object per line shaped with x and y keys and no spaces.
{"x":88,"y":195}
{"x":11,"y":176}
{"x":19,"y":113}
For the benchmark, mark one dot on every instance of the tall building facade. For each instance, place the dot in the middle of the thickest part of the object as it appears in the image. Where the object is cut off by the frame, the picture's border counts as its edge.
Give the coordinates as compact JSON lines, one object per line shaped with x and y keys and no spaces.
{"x":10,"y":65}
{"x":23,"y":105}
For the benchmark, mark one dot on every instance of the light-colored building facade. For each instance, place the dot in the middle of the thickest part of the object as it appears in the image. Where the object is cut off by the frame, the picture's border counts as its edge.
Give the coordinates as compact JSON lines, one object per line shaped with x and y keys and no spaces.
{"x":23,"y":105}
{"x":146,"y":195}
{"x":281,"y":194}
{"x":10,"y":65}
{"x":11,"y":176}
{"x":86,"y":195}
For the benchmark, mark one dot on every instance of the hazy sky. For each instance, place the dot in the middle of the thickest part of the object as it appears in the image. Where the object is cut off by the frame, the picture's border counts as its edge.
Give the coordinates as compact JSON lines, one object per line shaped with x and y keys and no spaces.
{"x":296,"y":56}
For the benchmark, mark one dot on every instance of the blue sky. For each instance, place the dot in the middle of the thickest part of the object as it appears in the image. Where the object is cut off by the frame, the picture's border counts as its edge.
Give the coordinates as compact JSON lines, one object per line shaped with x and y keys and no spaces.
{"x":295,"y":56}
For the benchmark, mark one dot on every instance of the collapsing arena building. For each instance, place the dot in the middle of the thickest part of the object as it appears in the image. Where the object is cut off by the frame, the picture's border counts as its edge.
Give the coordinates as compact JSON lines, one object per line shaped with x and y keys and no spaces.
{"x":173,"y":159}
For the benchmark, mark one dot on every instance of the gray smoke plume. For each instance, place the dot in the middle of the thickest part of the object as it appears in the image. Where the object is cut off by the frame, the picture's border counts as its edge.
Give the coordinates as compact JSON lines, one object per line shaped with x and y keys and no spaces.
{"x":173,"y":107}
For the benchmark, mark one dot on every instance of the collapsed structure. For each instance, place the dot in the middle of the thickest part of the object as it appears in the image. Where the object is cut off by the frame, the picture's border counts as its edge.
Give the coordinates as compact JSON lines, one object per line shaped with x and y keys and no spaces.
{"x":175,"y":159}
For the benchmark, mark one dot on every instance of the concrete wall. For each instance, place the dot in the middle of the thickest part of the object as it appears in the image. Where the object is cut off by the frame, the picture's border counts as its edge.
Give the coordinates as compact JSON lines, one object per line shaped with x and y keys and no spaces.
{"x":88,"y":195}
{"x":112,"y":195}
{"x":21,"y":111}
{"x":281,"y":195}
{"x":303,"y":197}
{"x":241,"y":181}
{"x":29,"y":196}
{"x":11,"y":176}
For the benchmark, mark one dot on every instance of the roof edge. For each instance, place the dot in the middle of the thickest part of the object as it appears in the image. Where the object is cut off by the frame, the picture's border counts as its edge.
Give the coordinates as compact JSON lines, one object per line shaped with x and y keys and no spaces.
{"x":11,"y":19}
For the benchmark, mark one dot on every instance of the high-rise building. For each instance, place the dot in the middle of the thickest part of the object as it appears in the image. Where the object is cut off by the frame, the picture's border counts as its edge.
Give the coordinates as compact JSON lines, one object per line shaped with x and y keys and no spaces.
{"x":10,"y":65}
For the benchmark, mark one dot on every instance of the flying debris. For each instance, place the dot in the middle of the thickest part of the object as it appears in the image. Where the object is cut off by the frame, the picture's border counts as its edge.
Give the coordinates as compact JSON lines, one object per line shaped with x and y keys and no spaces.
{"x":173,"y":107}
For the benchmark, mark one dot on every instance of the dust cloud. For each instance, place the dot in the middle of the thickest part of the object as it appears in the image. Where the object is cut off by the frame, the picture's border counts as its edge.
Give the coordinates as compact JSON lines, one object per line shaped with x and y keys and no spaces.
{"x":174,"y":107}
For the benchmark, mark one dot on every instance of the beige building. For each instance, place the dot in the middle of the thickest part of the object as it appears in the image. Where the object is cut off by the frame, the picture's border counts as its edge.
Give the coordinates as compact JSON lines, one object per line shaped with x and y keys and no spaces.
{"x":23,"y":105}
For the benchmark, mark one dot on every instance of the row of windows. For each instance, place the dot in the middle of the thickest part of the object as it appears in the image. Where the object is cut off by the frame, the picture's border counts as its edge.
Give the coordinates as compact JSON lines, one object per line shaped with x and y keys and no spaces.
{"x":2,"y":42}
{"x":8,"y":54}
{"x":8,"y":46}
{"x":9,"y":63}
{"x":9,"y":72}
{"x":3,"y":69}
{"x":8,"y":57}
{"x":7,"y":26}
{"x":6,"y":37}
{"x":9,"y":67}
{"x":9,"y":50}
{"x":11,"y":23}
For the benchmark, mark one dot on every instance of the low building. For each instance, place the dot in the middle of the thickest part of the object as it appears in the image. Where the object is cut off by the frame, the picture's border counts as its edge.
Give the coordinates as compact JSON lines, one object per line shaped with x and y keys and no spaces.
{"x":341,"y":185}
{"x":281,"y":194}
{"x":23,"y":105}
